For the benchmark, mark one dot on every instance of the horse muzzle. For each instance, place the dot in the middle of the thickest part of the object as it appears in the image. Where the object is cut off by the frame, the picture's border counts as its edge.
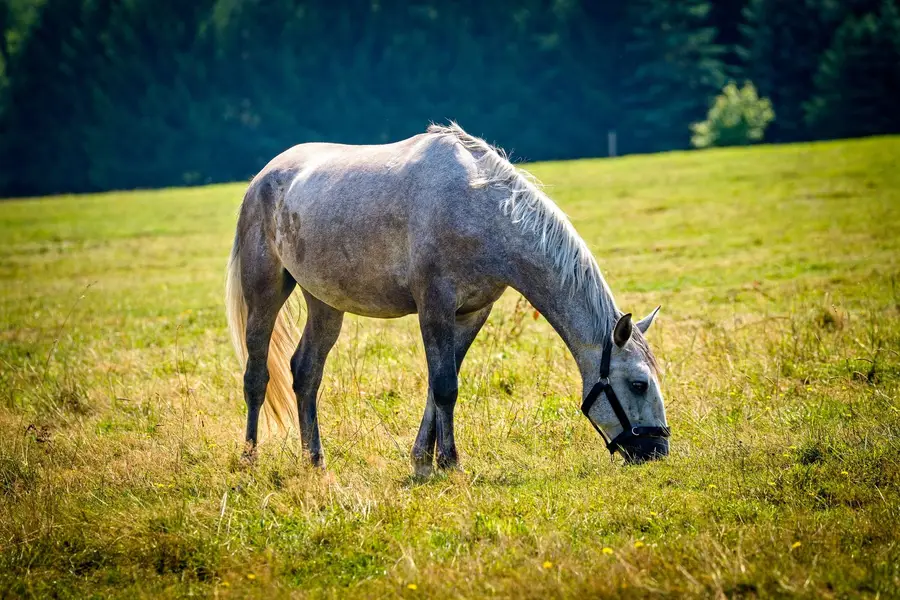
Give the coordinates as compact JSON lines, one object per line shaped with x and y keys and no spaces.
{"x":641,"y":449}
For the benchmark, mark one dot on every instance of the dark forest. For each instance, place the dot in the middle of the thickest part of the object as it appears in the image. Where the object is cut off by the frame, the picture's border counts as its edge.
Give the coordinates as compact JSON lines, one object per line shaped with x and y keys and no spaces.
{"x":107,"y":94}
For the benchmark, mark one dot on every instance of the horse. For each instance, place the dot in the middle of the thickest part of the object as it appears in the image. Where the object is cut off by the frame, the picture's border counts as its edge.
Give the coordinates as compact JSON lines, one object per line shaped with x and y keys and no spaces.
{"x":437,"y":225}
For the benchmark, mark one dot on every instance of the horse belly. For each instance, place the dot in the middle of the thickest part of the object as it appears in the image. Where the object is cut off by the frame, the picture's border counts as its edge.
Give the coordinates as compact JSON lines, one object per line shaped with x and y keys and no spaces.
{"x":345,"y":265}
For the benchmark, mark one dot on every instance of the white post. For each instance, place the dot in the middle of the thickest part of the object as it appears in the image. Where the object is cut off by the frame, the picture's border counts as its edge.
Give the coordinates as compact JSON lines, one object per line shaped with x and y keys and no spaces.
{"x":611,"y":142}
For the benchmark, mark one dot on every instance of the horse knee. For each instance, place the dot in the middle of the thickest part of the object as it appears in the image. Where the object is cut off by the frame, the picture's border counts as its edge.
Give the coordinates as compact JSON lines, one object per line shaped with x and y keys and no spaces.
{"x":445,"y":389}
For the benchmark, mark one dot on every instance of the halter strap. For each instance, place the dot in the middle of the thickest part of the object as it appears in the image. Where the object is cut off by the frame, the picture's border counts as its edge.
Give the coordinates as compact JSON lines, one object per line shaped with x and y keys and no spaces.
{"x":604,"y":387}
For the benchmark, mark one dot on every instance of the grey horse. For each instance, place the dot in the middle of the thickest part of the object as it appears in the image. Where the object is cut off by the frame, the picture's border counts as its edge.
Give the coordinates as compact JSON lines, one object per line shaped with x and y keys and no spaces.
{"x":439,"y":224}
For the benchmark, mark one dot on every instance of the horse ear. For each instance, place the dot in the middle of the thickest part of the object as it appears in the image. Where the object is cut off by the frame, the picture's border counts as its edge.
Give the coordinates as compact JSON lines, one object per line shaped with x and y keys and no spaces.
{"x":645,"y":323}
{"x":622,"y":330}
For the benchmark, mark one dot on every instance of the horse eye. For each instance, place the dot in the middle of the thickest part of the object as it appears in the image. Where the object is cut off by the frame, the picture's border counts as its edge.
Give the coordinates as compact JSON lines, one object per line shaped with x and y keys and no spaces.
{"x":639,"y":386}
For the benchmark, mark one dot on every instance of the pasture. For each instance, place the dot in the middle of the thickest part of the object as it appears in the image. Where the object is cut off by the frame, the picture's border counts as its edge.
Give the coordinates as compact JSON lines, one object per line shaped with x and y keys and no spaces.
{"x":778,"y":270}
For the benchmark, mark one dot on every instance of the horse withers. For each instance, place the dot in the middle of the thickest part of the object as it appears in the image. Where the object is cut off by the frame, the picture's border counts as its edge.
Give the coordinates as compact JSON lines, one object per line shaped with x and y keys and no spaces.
{"x":439,"y":225}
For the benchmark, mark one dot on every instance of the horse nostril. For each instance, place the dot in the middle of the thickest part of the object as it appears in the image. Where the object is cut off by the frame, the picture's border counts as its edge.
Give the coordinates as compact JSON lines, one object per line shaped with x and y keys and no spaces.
{"x":644,"y":449}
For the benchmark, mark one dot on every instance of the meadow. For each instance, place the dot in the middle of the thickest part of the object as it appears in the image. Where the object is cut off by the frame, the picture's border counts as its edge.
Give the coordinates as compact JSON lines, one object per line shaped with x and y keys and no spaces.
{"x":778,"y":272}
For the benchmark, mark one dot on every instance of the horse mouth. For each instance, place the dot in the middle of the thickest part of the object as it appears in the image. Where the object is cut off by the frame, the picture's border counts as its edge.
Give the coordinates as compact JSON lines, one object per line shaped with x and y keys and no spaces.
{"x":644,"y":449}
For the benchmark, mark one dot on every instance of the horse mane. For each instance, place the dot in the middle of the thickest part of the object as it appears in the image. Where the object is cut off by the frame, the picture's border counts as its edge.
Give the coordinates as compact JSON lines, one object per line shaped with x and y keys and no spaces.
{"x":528,"y":206}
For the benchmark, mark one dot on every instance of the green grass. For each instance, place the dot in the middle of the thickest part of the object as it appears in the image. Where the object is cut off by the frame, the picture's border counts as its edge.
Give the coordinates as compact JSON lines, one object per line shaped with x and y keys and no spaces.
{"x":777,"y":267}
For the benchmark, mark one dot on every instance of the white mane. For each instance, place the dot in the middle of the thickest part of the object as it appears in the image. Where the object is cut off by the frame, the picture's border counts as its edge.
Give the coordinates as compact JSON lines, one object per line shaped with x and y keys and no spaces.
{"x":529,"y":207}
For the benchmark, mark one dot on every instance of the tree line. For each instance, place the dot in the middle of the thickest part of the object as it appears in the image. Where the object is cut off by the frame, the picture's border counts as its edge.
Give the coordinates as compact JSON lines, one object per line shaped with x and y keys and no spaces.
{"x":111,"y":94}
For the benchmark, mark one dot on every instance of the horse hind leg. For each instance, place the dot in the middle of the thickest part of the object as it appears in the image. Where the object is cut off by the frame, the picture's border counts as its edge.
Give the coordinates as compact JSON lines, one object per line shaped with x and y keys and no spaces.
{"x":266,"y":294}
{"x":323,"y":326}
{"x":257,"y":288}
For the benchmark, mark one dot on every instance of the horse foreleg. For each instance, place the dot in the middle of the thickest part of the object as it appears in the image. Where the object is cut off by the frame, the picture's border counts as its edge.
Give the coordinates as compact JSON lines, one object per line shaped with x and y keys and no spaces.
{"x":423,"y":447}
{"x":464,"y":330}
{"x":323,"y":326}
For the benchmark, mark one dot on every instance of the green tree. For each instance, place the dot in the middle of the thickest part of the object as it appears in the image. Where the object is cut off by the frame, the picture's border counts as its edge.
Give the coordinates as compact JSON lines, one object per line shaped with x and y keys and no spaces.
{"x":726,"y":17}
{"x":149,"y":121}
{"x":857,"y":85}
{"x":738,"y":117}
{"x":783,"y":46}
{"x":783,"y":43}
{"x":47,"y":100}
{"x":673,"y":68}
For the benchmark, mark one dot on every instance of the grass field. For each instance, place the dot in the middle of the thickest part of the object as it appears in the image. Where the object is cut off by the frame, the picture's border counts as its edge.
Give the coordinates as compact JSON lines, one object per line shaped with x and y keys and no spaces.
{"x":778,"y":269}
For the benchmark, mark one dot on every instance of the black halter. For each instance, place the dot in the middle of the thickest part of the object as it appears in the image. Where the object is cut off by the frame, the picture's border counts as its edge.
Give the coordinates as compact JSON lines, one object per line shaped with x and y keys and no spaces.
{"x":603,"y":386}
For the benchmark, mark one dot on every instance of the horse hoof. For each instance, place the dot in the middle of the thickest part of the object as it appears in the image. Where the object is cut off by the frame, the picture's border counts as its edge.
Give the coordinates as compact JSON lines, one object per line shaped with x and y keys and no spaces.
{"x":317,"y":461}
{"x":248,"y":456}
{"x":447,"y":463}
{"x":423,"y":471}
{"x":422,"y":467}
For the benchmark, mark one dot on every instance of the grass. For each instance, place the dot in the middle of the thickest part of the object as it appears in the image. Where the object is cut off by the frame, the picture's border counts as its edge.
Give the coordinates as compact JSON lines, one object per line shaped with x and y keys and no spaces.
{"x":777,"y":267}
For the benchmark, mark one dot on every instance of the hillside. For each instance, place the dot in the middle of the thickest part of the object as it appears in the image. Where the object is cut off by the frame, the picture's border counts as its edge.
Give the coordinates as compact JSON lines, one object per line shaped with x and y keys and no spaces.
{"x":777,"y":268}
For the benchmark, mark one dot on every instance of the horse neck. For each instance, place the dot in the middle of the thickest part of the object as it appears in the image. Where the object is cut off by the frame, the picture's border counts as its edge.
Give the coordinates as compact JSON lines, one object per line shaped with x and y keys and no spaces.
{"x":583,"y":326}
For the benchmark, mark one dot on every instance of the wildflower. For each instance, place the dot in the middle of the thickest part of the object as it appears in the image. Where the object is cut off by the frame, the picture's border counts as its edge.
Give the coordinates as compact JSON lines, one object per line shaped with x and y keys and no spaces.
{"x":226,"y":584}
{"x":548,"y":564}
{"x":712,"y":486}
{"x":795,"y":545}
{"x":652,"y":514}
{"x":251,"y":576}
{"x":607,"y":550}
{"x":412,"y":586}
{"x":845,"y":473}
{"x":639,"y":544}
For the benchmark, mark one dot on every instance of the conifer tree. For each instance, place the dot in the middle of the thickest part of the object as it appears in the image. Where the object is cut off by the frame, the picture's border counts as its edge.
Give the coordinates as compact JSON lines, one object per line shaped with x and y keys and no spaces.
{"x":674,"y":68}
{"x":46,"y":99}
{"x":858,"y":81}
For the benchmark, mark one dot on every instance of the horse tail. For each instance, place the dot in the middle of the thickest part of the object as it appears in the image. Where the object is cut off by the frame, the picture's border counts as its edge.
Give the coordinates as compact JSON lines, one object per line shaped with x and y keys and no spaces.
{"x":235,"y":305}
{"x":279,"y":410}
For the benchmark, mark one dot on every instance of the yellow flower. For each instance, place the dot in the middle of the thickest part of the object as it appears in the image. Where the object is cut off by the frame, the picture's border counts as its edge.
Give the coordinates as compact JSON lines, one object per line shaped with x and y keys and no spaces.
{"x":251,"y":576}
{"x":412,"y":586}
{"x":652,"y":514}
{"x":226,"y":584}
{"x":607,"y":550}
{"x":639,"y":544}
{"x":845,"y":473}
{"x":712,"y":486}
{"x":795,"y":545}
{"x":548,"y":564}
